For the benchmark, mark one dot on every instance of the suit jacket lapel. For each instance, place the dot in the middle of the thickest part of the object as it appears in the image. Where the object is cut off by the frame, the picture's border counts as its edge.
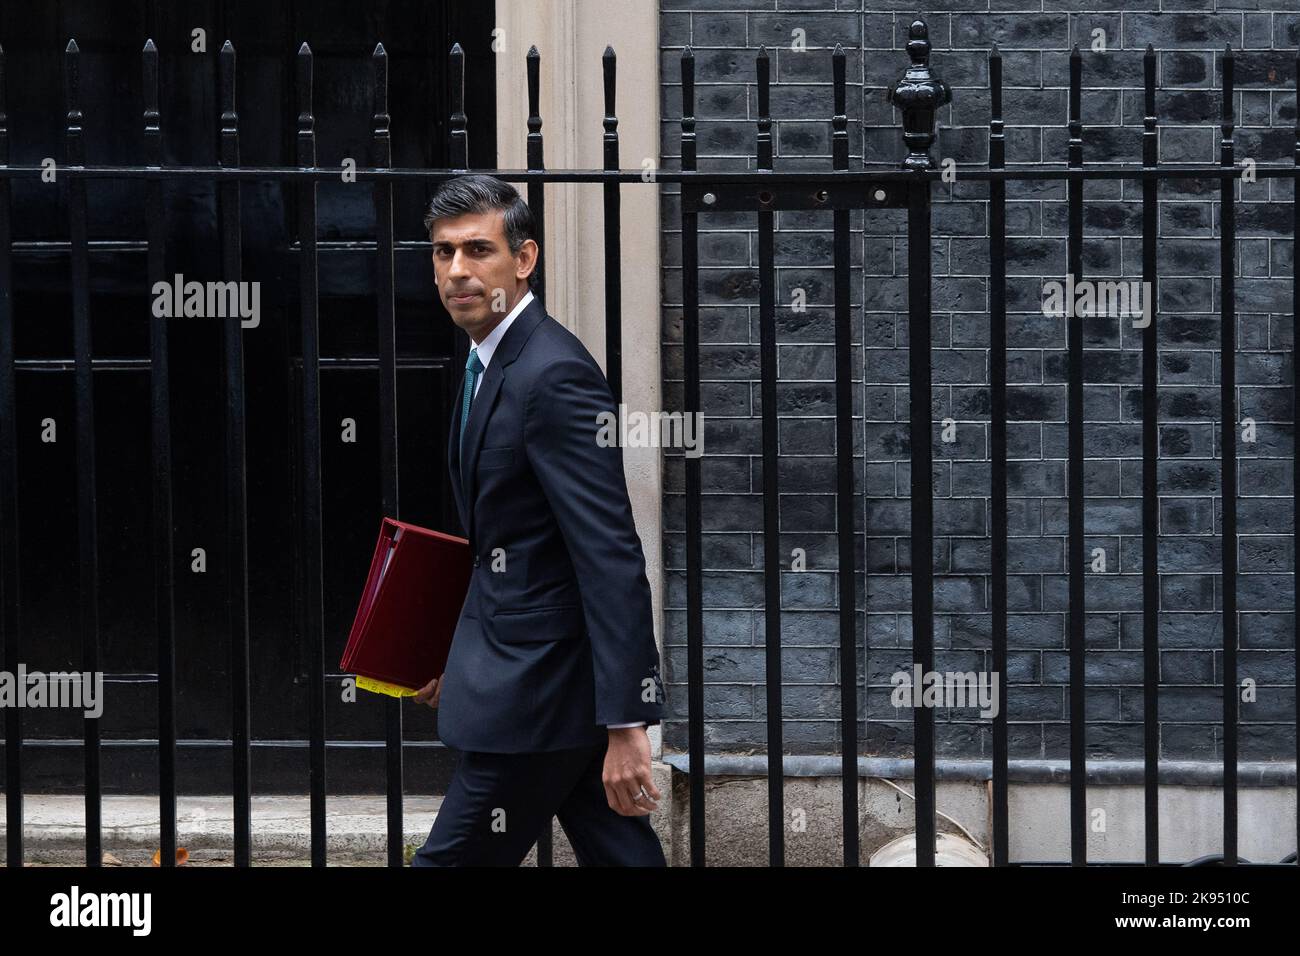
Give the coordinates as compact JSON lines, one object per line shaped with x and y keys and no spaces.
{"x":453,"y":455}
{"x":480,"y":408}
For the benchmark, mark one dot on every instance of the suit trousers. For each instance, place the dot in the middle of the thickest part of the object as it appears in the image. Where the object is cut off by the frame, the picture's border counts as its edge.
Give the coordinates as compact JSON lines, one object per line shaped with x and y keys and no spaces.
{"x":498,"y":805}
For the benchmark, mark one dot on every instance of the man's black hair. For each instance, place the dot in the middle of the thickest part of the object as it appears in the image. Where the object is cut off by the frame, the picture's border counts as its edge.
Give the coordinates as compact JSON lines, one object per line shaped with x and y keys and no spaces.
{"x":477,"y":193}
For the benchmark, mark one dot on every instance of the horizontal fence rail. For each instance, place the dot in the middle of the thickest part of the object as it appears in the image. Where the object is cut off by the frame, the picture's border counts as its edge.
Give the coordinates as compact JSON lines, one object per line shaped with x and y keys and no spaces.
{"x":763,"y":191}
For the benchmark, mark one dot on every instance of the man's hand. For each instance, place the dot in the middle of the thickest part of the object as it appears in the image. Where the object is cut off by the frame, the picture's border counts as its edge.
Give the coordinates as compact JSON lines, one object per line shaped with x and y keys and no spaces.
{"x":627,"y":771}
{"x":429,"y":693}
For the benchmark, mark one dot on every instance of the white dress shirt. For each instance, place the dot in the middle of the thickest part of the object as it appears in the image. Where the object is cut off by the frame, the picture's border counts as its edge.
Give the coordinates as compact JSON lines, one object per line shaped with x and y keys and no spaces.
{"x":484,"y":351}
{"x":489,"y":344}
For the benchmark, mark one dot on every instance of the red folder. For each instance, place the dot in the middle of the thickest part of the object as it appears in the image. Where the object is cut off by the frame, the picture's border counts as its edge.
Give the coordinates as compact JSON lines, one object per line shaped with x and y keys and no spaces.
{"x":408,"y":612}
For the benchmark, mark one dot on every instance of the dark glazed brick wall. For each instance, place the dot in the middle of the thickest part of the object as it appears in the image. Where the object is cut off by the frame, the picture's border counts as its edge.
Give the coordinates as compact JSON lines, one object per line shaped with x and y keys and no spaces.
{"x":1035,"y":39}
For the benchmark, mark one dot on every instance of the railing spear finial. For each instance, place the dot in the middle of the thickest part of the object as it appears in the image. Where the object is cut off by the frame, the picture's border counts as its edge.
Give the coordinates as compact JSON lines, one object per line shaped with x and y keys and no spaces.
{"x":919,"y":94}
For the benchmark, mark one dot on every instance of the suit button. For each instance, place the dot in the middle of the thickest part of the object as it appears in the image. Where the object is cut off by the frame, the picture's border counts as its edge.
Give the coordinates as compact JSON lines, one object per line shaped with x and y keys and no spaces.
{"x":476,"y":560}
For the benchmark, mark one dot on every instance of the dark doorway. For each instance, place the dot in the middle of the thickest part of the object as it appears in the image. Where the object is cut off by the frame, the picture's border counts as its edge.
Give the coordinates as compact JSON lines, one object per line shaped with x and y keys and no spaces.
{"x":266,"y":36}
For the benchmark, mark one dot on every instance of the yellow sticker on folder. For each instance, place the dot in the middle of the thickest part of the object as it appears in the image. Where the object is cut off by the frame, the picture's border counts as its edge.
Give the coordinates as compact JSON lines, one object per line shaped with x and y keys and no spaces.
{"x":382,"y":687}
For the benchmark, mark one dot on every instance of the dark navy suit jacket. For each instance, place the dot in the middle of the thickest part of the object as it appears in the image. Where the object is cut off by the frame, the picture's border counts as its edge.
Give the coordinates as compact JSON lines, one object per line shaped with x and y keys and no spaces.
{"x":556,"y":637}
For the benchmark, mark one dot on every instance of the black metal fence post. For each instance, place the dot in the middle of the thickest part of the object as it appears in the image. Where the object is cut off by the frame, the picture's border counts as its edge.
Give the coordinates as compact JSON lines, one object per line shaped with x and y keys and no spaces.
{"x":87,"y":508}
{"x":919,"y":94}
{"x":613,"y":237}
{"x":228,"y":207}
{"x":1075,"y":614}
{"x":386,"y":336}
{"x":1295,"y":417}
{"x":1228,"y":435}
{"x":691,"y":466}
{"x":458,"y":159}
{"x":771,"y":484}
{"x":844,"y":497}
{"x":1150,"y":475}
{"x":998,"y":449}
{"x":536,"y":161}
{"x":312,"y":548}
{"x":160,"y":414}
{"x":9,"y":504}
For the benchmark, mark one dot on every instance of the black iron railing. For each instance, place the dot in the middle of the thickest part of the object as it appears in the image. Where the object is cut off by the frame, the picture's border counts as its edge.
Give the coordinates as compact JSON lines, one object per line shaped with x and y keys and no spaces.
{"x":764,"y":192}
{"x":918,"y":94}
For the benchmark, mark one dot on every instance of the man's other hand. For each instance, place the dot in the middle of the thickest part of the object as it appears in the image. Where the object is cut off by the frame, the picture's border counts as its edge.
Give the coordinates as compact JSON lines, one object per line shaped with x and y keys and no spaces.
{"x":627,"y":770}
{"x":429,"y":693}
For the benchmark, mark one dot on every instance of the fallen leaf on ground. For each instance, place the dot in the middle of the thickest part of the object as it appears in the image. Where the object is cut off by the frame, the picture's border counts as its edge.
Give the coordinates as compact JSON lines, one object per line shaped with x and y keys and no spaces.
{"x":182,"y":856}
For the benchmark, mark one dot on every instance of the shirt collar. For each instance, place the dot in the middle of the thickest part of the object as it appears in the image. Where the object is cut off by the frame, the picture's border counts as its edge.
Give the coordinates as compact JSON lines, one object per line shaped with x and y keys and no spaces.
{"x":489,"y":344}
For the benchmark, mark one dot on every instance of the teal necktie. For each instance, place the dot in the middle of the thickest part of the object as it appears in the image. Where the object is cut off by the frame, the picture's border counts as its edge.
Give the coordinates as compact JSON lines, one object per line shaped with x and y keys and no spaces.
{"x":472,"y":369}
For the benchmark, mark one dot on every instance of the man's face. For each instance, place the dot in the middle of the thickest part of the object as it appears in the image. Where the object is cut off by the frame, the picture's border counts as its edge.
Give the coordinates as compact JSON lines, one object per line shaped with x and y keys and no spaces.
{"x":478,"y":278}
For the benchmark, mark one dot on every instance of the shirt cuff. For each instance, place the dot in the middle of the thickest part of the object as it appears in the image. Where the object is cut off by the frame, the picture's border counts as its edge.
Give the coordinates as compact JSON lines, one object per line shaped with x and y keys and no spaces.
{"x":638,"y":723}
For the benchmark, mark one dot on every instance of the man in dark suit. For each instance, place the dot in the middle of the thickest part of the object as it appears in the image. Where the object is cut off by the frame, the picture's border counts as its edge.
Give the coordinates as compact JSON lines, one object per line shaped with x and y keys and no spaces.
{"x":553,"y":674}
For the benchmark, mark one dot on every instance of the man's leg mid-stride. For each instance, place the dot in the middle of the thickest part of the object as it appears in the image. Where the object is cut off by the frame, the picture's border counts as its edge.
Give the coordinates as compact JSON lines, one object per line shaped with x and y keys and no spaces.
{"x":498,"y":804}
{"x":599,"y":834}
